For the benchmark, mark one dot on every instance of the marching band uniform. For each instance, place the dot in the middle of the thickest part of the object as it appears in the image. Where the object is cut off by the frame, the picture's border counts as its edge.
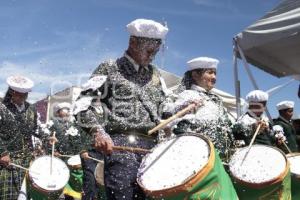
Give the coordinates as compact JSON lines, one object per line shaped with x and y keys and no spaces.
{"x":16,"y":139}
{"x":210,"y":119}
{"x":70,"y":139}
{"x":130,"y":100}
{"x":73,"y":140}
{"x":245,"y":126}
{"x":286,"y":124}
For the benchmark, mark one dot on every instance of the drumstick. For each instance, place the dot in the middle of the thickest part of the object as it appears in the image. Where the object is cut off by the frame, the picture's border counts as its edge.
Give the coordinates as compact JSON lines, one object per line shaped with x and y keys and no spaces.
{"x":24,"y":168}
{"x":251,"y":143}
{"x":68,"y":156}
{"x":131,"y":149}
{"x":52,"y":155}
{"x":18,"y":166}
{"x":94,"y":159}
{"x":286,"y":146}
{"x":170,"y":119}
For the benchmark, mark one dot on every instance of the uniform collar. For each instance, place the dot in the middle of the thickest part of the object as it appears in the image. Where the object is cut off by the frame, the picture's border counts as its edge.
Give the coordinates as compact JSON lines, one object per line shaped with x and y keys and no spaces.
{"x":135,"y":65}
{"x":198,"y":88}
{"x":253,"y":115}
{"x":19,"y":108}
{"x":280,"y":117}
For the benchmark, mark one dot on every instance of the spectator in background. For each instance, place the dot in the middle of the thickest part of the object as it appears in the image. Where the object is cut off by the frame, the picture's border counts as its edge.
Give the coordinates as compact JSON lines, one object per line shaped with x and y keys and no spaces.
{"x":296,"y":124}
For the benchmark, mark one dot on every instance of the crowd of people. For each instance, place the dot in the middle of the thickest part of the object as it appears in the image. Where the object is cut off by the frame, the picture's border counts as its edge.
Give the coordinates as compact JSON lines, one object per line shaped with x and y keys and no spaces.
{"x":120,"y":103}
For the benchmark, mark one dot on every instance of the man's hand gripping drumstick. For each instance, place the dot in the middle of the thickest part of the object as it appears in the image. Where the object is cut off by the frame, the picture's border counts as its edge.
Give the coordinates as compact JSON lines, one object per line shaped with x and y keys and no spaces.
{"x":104,"y":143}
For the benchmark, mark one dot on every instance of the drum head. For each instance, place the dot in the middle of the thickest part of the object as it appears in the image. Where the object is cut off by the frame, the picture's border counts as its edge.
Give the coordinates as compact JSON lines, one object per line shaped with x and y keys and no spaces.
{"x":173,"y":163}
{"x":262,"y":164}
{"x":39,"y":173}
{"x":99,"y":173}
{"x":294,"y":160}
{"x":74,"y":162}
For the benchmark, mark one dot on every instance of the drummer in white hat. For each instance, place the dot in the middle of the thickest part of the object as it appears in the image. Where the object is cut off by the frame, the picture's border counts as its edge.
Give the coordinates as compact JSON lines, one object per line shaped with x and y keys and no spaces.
{"x":132,"y":82}
{"x":16,"y":145}
{"x":210,"y":118}
{"x":286,"y":110}
{"x":246,"y":125}
{"x":62,"y":110}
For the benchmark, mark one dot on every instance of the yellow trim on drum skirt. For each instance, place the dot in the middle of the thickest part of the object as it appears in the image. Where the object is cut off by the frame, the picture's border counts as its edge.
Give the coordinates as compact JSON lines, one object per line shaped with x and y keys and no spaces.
{"x":70,"y":192}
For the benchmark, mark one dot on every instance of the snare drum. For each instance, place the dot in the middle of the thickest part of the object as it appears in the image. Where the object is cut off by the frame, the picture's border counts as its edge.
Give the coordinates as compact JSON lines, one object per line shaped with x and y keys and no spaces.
{"x":294,"y":159}
{"x":45,"y":186}
{"x":262,"y":174}
{"x":185,"y":167}
{"x":76,"y":177}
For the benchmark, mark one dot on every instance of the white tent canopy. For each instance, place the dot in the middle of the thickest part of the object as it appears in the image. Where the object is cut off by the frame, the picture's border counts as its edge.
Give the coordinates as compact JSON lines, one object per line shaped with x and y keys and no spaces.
{"x":273,"y":42}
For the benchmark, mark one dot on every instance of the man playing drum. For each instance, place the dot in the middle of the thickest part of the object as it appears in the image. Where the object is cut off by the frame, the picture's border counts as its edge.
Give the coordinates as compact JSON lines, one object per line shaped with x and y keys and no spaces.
{"x":16,"y":144}
{"x":286,"y":109}
{"x":247,"y":124}
{"x":130,"y":99}
{"x":71,"y":141}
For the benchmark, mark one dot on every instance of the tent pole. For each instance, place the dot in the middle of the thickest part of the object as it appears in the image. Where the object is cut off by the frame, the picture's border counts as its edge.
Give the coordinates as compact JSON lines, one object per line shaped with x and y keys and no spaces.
{"x":236,"y":82}
{"x":251,"y":76}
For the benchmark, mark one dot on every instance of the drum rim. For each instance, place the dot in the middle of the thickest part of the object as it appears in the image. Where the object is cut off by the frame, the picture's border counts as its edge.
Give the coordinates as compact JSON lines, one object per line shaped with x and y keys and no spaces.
{"x":290,"y":155}
{"x":275,"y":180}
{"x":190,"y":181}
{"x":76,"y":166}
{"x":40,"y":189}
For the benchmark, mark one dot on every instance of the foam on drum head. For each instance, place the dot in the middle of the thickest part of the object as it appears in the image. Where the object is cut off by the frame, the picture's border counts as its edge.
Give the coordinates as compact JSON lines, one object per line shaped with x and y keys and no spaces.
{"x":295,"y":164}
{"x":173,"y":162}
{"x":74,"y":160}
{"x":39,"y":172}
{"x":262,"y":164}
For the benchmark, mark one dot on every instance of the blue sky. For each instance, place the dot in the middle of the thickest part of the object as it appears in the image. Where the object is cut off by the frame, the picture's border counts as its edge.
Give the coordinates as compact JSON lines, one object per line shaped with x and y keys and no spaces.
{"x":58,"y":43}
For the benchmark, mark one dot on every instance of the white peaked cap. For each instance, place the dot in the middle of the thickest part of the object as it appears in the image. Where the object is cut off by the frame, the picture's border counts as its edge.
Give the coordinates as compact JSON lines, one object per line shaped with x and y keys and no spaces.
{"x":62,"y":105}
{"x":147,"y":28}
{"x":19,"y":83}
{"x":257,"y":96}
{"x":203,"y":63}
{"x":285,"y":105}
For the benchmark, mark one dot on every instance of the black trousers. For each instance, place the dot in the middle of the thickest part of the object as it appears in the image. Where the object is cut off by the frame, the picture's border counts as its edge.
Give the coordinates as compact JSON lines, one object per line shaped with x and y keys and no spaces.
{"x":121,"y":167}
{"x":90,"y":188}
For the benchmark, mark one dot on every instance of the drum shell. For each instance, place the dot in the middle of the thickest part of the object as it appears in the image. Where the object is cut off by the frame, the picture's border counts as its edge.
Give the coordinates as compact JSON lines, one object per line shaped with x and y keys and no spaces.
{"x":295,"y":180}
{"x":206,"y":184}
{"x":277,"y":188}
{"x":35,"y":192}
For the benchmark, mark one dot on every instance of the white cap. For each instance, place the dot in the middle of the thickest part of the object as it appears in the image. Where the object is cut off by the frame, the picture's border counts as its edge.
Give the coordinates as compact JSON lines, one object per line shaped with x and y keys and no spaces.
{"x":19,"y":83}
{"x":285,"y":105}
{"x":257,"y":96}
{"x":203,"y":63}
{"x":147,"y":28}
{"x":278,"y":128}
{"x":61,"y":106}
